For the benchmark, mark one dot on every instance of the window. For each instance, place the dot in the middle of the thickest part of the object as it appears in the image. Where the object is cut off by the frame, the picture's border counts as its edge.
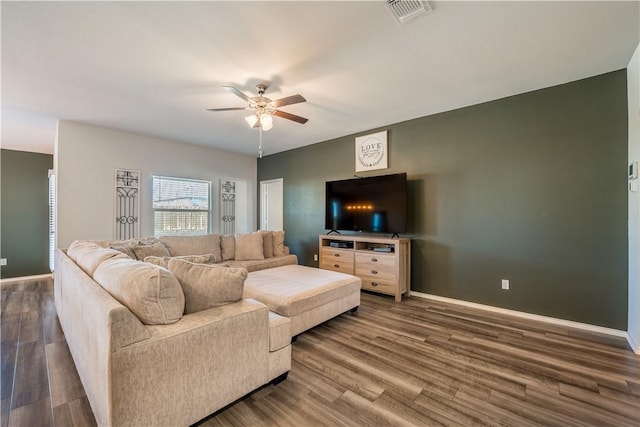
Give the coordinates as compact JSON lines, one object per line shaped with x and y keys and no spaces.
{"x":181,"y":206}
{"x":52,"y":218}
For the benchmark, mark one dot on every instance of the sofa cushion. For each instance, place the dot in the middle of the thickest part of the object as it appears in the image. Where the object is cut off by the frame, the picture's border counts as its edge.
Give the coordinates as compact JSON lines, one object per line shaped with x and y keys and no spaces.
{"x":267,"y":244}
{"x":152,"y":293}
{"x":193,"y":245}
{"x":228,"y":246}
{"x":154,"y":249}
{"x":198,"y":259}
{"x":249,"y":246}
{"x":278,"y":243}
{"x":90,"y":258}
{"x":80,"y":246}
{"x":206,"y":285}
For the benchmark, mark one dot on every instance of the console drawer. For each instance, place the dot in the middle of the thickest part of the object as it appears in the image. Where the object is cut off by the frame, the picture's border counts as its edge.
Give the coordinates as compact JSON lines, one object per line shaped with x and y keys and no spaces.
{"x":381,"y":286}
{"x":376,"y":267}
{"x":337,"y":260}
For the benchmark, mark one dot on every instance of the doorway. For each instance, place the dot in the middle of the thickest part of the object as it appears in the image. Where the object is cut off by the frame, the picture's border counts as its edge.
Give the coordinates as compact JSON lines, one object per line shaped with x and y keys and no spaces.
{"x":271,"y":204}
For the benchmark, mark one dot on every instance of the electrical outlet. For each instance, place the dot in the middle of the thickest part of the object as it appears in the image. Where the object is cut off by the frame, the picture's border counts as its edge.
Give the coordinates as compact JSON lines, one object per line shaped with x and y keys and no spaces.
{"x":315,"y":257}
{"x":3,"y":261}
{"x":505,"y":284}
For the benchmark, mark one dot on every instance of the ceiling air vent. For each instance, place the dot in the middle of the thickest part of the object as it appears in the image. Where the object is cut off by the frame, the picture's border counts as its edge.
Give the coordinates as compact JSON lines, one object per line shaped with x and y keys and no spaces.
{"x":406,"y":10}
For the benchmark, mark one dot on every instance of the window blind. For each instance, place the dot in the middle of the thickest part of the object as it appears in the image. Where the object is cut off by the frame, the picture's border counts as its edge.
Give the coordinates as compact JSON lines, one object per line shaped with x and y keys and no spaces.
{"x":181,"y":206}
{"x":52,"y":218}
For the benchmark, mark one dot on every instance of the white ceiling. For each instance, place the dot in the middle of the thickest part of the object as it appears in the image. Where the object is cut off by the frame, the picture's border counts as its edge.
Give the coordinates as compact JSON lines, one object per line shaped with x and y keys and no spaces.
{"x":153,"y":67}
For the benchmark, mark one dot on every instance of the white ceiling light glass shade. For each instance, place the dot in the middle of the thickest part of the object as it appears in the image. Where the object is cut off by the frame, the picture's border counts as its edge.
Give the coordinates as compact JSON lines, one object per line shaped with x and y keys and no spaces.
{"x":252,"y":120}
{"x":266,"y":121}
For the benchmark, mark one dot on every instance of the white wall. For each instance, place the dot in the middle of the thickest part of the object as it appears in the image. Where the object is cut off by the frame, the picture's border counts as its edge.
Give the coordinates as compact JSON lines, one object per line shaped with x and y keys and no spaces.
{"x":633,"y":88}
{"x":86,"y":156}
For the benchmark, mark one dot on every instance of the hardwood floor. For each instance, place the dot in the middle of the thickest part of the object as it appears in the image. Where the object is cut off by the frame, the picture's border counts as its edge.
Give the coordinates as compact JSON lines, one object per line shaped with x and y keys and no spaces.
{"x":40,"y":385}
{"x":411,"y":363}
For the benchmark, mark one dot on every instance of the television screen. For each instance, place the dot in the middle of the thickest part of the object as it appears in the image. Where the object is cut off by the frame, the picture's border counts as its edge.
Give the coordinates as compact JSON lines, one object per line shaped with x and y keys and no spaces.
{"x":375,"y":204}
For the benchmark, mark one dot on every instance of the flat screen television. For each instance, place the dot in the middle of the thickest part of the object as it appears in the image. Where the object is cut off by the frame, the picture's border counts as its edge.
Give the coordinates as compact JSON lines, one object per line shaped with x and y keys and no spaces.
{"x":376,"y":204}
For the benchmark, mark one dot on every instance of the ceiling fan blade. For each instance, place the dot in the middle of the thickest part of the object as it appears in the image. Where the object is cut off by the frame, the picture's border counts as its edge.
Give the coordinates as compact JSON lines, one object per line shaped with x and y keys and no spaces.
{"x":237,"y":92}
{"x":290,"y":116}
{"x":293,"y":99}
{"x":228,"y":109}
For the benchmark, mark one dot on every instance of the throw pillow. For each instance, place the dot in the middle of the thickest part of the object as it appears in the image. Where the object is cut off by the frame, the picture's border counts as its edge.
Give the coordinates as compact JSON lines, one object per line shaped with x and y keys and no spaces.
{"x":267,"y":244}
{"x":249,"y":246}
{"x":126,"y":247}
{"x":152,"y":293}
{"x":149,"y":240}
{"x":206,"y":286}
{"x":154,"y":249}
{"x":278,"y":243}
{"x":228,"y":246}
{"x":164,"y":261}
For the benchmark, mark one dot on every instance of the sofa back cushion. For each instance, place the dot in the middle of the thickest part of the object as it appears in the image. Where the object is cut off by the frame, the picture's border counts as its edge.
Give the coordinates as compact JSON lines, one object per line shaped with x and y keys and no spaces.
{"x":152,"y":293}
{"x":267,"y":244}
{"x":228,"y":246}
{"x":278,"y":243}
{"x":90,"y":258}
{"x":206,"y":285}
{"x":79,"y":246}
{"x":249,"y":246}
{"x":193,"y":245}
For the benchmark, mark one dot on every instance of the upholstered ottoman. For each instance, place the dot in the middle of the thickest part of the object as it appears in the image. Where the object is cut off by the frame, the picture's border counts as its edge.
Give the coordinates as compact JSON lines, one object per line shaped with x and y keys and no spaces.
{"x":308,"y":296}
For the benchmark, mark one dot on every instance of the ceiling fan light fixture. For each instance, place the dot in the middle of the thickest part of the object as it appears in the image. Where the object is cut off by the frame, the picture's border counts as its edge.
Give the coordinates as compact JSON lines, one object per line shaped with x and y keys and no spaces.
{"x":252,"y":120}
{"x":266,"y":121}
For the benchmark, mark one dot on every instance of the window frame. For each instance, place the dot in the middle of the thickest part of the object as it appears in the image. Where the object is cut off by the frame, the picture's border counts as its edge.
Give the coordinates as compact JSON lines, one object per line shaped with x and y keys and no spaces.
{"x":209,"y":209}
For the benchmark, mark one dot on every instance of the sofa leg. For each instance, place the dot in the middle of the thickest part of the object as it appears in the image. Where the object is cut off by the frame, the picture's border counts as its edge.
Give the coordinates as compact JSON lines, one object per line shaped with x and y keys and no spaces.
{"x":281,"y":378}
{"x":354,"y":309}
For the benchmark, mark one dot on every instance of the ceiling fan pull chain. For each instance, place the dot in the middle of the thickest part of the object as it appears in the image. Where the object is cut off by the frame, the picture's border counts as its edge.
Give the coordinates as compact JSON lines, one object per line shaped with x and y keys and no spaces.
{"x":260,"y":144}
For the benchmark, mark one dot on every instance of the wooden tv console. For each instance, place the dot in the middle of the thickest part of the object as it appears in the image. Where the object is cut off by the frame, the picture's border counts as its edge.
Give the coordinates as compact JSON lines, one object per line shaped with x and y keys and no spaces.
{"x":383,"y":264}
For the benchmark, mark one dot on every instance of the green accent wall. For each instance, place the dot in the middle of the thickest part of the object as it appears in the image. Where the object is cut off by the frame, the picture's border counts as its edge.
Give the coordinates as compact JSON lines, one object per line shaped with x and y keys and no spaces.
{"x":24,"y":222}
{"x":530,"y":188}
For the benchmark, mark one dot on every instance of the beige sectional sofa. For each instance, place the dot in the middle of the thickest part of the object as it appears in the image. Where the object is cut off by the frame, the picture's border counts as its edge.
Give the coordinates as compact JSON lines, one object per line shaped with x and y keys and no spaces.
{"x":169,"y":346}
{"x":167,"y":331}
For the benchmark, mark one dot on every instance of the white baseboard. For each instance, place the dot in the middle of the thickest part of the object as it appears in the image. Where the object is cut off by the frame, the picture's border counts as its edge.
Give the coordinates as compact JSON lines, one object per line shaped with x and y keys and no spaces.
{"x":524,"y":315}
{"x":634,"y":345}
{"x":19,"y":279}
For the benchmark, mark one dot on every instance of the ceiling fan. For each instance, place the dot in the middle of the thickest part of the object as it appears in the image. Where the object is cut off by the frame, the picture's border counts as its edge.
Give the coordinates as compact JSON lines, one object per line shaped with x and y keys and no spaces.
{"x":264,"y":108}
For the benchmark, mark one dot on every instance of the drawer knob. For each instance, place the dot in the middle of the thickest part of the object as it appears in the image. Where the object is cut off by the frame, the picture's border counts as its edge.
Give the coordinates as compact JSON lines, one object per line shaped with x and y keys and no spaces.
{"x":374,"y":259}
{"x":374,"y":284}
{"x":336,"y":255}
{"x":374,"y":272}
{"x":336,"y":265}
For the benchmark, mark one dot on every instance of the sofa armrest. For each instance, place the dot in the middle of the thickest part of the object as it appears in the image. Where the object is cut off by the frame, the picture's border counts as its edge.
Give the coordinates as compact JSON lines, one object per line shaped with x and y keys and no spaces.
{"x":201,"y":363}
{"x":279,"y":331}
{"x":94,"y":324}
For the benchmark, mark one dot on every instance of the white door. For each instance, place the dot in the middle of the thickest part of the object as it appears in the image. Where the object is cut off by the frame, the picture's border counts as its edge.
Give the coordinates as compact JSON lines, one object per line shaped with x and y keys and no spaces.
{"x":271,"y":204}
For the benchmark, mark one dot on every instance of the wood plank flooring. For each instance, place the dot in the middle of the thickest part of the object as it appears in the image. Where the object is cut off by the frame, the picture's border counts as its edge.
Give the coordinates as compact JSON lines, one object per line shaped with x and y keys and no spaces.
{"x":40,"y":385}
{"x":411,"y":363}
